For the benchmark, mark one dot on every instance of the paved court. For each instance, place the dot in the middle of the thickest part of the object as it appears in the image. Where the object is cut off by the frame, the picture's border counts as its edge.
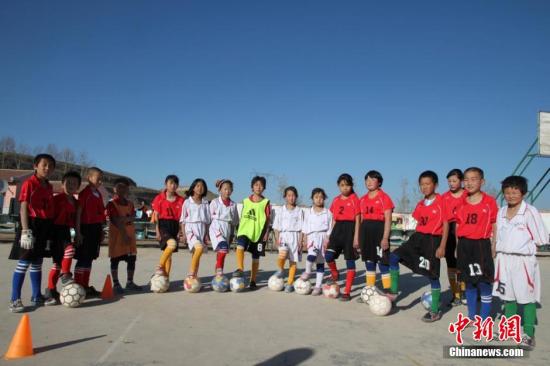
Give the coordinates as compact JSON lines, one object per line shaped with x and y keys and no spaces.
{"x":251,"y":328}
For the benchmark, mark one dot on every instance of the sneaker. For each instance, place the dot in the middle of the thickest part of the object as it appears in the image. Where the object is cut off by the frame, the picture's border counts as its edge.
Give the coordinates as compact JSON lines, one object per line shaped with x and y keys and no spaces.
{"x":304,"y":276}
{"x":527,"y":343}
{"x":238,"y":273}
{"x":131,"y":286}
{"x":316,"y":291}
{"x":252,"y":285}
{"x":456,"y":301}
{"x":17,"y":306}
{"x":92,"y":292}
{"x":51,"y":297}
{"x":289,"y":289}
{"x":118,"y":289}
{"x":160,"y":271}
{"x":38,"y":301}
{"x":345,"y":298}
{"x":431,"y":317}
{"x":66,"y":279}
{"x":391,"y":296}
{"x":463,"y":300}
{"x":279,"y":274}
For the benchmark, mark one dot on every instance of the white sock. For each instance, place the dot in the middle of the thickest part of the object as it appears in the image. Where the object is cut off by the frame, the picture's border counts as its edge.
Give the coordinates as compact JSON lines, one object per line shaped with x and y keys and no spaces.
{"x":319,"y":278}
{"x":308,"y":267}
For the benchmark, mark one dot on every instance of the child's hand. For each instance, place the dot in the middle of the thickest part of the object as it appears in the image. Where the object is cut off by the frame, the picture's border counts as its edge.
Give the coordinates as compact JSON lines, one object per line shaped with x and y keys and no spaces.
{"x":325,"y":244}
{"x":440,"y":252}
{"x":157,"y":236}
{"x":207,"y":240}
{"x":385,"y":244}
{"x":493,"y":252}
{"x":356,"y":244}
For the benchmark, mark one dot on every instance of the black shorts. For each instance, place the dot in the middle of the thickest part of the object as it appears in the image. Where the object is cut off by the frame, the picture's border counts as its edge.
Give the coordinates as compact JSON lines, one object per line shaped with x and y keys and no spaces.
{"x":42,"y":231}
{"x":89,"y":248}
{"x":418,"y":254}
{"x":450,"y":248}
{"x":371,"y":233}
{"x":61,"y":239}
{"x":257,"y":248}
{"x":475,"y":260}
{"x":169,"y":229}
{"x":341,"y":240}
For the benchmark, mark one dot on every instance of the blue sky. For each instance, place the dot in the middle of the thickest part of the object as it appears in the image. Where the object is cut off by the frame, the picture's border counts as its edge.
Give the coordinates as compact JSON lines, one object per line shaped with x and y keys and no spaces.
{"x":301,"y":89}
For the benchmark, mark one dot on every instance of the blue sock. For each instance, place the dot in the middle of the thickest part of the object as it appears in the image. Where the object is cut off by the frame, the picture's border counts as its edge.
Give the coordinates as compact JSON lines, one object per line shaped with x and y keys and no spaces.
{"x":370,"y":266}
{"x":18,"y":278}
{"x":471,"y":297}
{"x":36,"y":277}
{"x":384,"y":268}
{"x":350,"y":264}
{"x":486,"y":292}
{"x":394,"y":262}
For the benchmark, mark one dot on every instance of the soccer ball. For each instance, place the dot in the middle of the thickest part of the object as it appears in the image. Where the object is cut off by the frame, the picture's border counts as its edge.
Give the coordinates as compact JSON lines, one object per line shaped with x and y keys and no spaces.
{"x":236,"y":284}
{"x":159,"y":283}
{"x":72,"y":295}
{"x":380,"y":305}
{"x":426,"y":300}
{"x":302,"y":287}
{"x":220,"y":283}
{"x":275,"y":283}
{"x":331,"y":291}
{"x":368,"y":292}
{"x":192,"y":284}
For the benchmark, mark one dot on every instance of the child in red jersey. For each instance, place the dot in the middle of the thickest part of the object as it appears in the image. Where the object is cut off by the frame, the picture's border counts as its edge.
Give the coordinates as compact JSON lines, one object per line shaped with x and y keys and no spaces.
{"x":374,"y":233}
{"x":167,"y":207}
{"x":90,"y":218}
{"x":476,"y":230}
{"x":453,"y":198}
{"x":62,"y":246}
{"x":422,"y":252}
{"x":346,"y":212}
{"x":34,"y":232}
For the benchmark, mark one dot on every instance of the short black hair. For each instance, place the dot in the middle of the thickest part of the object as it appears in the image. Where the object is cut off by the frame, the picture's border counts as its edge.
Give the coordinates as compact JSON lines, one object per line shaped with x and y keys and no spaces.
{"x":292,"y":189}
{"x":456,"y":172}
{"x":374,"y":174}
{"x":72,"y":174}
{"x":189,"y":192}
{"x":477,"y":170}
{"x":318,"y":190}
{"x":346,"y":178}
{"x":122,"y":180}
{"x":429,"y":174}
{"x":172,"y":177}
{"x":515,"y":181}
{"x":41,"y":157}
{"x":258,"y":179}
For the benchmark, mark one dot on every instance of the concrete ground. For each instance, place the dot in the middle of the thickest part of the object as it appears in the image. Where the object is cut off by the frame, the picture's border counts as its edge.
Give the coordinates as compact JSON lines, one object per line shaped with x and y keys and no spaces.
{"x":250,"y":328}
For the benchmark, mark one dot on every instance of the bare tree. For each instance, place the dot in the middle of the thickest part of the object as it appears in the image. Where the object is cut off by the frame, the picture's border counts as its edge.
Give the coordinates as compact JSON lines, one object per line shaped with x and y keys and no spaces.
{"x":53,"y":151}
{"x":68,"y":156}
{"x":37,"y":150}
{"x":404,"y":201}
{"x":84,"y":162}
{"x":7,"y":147}
{"x":23,"y":151}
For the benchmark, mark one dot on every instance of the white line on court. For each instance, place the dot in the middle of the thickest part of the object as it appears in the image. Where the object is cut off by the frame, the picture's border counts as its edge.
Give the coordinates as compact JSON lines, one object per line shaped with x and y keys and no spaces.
{"x":120,"y":339}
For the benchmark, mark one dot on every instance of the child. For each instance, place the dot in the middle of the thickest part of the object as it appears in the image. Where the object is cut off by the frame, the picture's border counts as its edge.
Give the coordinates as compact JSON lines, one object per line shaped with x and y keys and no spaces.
{"x":519,"y":231}
{"x":253,"y":229}
{"x":122,"y":235}
{"x":374,"y":234}
{"x":346,"y":213}
{"x":195,"y":218}
{"x":225,"y":219}
{"x":167,"y":207}
{"x":62,"y":246}
{"x":34,"y":233}
{"x":317,"y":229}
{"x":476,"y":230}
{"x":90,"y":218}
{"x":422,"y":252}
{"x":287,"y":226}
{"x":453,"y":198}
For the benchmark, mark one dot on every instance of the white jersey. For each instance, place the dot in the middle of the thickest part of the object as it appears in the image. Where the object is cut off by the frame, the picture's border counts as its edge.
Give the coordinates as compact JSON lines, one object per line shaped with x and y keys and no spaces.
{"x":288,"y":220}
{"x":193,"y":212}
{"x":317,"y":222}
{"x":224,"y":220}
{"x":523,"y":233}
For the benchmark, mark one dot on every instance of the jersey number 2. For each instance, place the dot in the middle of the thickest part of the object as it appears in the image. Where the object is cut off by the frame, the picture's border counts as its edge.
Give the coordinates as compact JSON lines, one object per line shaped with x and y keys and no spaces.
{"x":424,"y":263}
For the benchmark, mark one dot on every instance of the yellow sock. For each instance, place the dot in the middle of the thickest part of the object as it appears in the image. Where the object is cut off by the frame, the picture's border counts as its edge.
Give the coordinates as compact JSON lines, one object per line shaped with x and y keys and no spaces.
{"x":168,"y":266}
{"x":386,"y":280}
{"x":255,"y":267}
{"x":167,"y":253}
{"x":195,"y":260}
{"x":240,"y":258}
{"x":371,"y":278}
{"x":281,"y":263}
{"x":462,"y":286}
{"x":455,"y":289}
{"x":291,"y":273}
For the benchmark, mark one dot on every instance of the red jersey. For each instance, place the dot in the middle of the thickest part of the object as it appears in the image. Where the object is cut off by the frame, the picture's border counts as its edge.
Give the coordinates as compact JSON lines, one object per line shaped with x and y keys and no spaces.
{"x":476,"y":221}
{"x":452,"y":203}
{"x":65,"y":210}
{"x":374,"y":208}
{"x":430,"y":218}
{"x":93,"y":210}
{"x":167,"y":210}
{"x":345,"y":209}
{"x":38,"y":197}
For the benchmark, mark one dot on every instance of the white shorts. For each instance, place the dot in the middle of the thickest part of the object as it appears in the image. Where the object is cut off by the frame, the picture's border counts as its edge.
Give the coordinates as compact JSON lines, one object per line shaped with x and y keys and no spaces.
{"x":517,"y":278}
{"x":195,"y":232}
{"x":220,"y":231}
{"x":289,"y":241}
{"x":315,"y":246}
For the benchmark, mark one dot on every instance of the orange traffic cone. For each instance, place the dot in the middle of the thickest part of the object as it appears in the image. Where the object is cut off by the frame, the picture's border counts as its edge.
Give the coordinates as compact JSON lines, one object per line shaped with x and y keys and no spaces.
{"x":107,"y":292}
{"x":21,"y":343}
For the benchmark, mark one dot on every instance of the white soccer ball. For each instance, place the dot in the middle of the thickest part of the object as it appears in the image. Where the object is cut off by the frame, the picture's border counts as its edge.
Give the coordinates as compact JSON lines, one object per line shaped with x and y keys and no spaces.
{"x":159,"y":284}
{"x":220,"y":283}
{"x":368,"y":292}
{"x":302,"y":287}
{"x":331,"y":291}
{"x":192,"y":285}
{"x":72,"y":295}
{"x":380,"y":305}
{"x":275,"y":283}
{"x":426,"y":300}
{"x":236,"y":284}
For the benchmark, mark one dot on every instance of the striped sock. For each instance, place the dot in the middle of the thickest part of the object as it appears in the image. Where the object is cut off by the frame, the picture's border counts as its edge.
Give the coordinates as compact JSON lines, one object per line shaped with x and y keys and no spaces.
{"x":53,"y":276}
{"x":35,"y":272}
{"x":19,"y":278}
{"x":485,"y":290}
{"x":67,"y":260}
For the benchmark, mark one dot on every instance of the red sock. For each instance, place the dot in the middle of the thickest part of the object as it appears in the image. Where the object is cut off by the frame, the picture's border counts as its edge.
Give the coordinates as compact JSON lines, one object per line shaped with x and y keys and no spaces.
{"x":79,"y":275}
{"x":53,"y":277}
{"x":333,"y":270}
{"x":350,"y":275}
{"x":86,"y":277}
{"x":67,"y":259}
{"x":220,"y":260}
